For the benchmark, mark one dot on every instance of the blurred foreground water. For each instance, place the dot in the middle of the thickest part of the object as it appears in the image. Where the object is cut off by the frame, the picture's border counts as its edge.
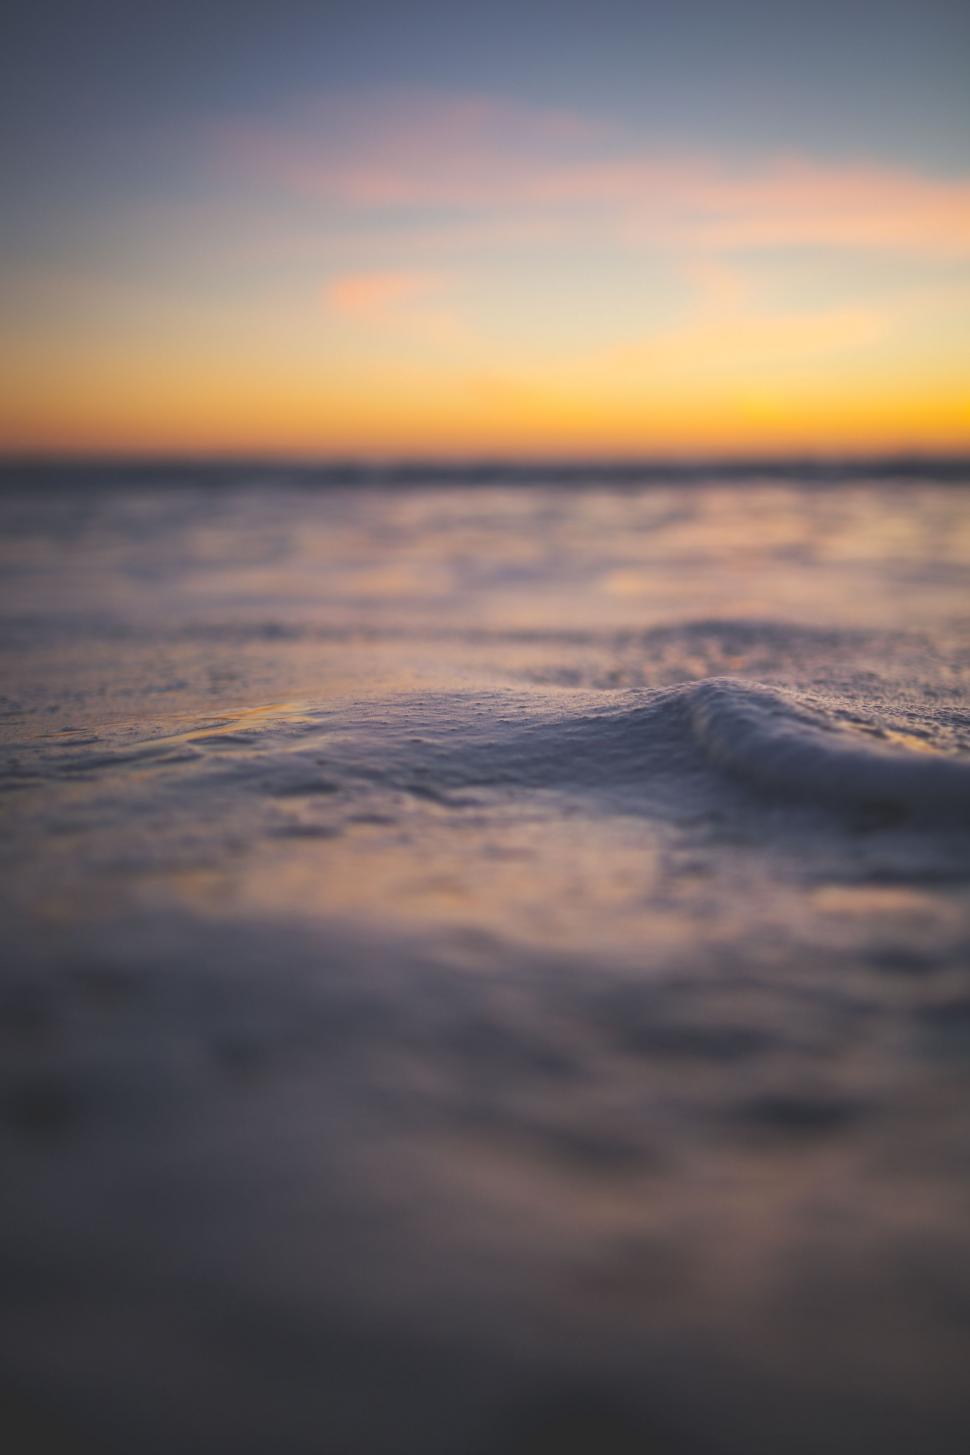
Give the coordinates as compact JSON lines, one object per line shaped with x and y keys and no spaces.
{"x":486,"y":969}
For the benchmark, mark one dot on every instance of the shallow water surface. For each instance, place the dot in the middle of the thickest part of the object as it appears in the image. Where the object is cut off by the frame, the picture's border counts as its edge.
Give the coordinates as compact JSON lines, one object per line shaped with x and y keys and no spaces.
{"x":487,"y":966}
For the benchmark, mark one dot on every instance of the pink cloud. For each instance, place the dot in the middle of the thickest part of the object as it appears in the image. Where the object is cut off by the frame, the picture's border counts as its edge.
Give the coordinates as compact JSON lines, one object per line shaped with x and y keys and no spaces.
{"x":798,"y":203}
{"x":374,"y":295}
{"x":476,"y":159}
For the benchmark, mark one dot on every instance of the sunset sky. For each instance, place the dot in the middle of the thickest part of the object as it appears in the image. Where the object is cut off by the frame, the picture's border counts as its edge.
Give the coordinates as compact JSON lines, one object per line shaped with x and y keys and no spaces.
{"x":437,"y":229}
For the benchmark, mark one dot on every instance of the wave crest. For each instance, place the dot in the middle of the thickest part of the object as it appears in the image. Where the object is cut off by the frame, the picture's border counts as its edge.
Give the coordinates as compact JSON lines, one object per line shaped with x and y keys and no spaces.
{"x":782,"y":746}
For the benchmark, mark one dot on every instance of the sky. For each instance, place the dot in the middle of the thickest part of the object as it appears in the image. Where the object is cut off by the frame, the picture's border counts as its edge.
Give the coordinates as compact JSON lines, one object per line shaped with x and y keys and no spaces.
{"x":378,"y":229}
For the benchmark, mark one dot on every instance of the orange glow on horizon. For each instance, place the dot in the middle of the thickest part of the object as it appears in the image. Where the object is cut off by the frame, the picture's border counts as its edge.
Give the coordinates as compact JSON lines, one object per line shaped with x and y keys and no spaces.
{"x":491,"y":416}
{"x":507,"y":282}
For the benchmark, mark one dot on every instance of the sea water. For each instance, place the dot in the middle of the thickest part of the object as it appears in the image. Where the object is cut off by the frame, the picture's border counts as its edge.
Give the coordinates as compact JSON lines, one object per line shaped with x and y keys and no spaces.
{"x":485,"y":961}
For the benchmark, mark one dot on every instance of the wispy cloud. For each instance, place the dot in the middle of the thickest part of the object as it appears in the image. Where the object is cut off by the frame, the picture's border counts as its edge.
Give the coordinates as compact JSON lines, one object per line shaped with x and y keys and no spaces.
{"x":725,"y":333}
{"x":463,"y":158}
{"x":374,"y":295}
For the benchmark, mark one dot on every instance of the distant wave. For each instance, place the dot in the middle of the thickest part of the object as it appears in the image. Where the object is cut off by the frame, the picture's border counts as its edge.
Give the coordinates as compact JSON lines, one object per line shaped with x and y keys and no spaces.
{"x":254,"y":471}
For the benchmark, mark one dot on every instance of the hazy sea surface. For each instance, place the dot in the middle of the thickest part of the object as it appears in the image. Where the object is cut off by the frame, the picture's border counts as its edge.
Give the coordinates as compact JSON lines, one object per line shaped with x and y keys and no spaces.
{"x":485,"y":963}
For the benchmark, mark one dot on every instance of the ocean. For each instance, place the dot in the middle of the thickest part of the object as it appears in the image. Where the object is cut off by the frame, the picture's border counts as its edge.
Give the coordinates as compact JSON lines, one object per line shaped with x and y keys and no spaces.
{"x":487,"y":959}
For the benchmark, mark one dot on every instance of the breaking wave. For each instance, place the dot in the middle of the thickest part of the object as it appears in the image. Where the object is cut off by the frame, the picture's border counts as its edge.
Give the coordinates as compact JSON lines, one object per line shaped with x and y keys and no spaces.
{"x":780,"y":745}
{"x":841,"y":754}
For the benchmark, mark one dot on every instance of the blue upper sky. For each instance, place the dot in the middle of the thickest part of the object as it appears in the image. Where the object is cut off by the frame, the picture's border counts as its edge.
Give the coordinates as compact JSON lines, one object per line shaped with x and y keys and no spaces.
{"x":888,"y":80}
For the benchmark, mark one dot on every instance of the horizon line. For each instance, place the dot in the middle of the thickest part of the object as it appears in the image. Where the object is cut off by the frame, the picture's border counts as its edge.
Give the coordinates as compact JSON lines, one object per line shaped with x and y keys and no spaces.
{"x":407,"y":465}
